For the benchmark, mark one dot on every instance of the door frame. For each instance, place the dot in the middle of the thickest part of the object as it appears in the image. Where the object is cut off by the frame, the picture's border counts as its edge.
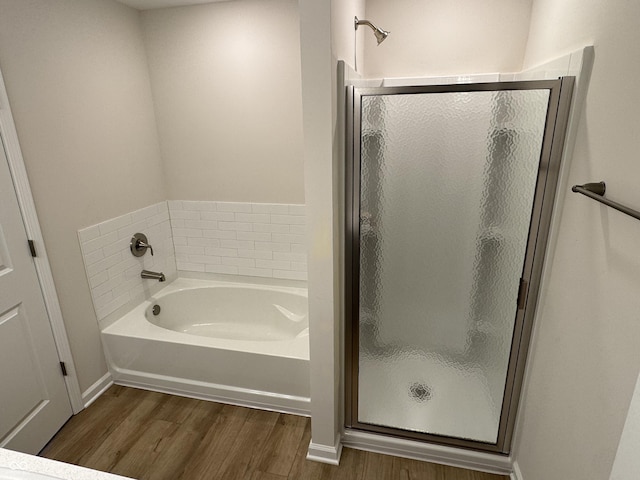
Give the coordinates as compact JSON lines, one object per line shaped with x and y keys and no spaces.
{"x":552,"y":149}
{"x":32,"y":226}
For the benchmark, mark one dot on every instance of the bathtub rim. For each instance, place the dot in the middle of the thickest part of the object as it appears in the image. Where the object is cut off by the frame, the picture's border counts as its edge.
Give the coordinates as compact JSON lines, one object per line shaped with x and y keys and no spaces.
{"x":153,"y":287}
{"x":134,"y":323}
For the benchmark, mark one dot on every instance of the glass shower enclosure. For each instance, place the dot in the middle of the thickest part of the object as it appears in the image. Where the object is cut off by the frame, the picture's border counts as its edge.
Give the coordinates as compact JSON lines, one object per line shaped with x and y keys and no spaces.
{"x":449,"y":196}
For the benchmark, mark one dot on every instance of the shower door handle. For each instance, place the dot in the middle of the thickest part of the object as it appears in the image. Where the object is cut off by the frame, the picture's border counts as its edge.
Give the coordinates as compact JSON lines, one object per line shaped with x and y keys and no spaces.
{"x":522,"y":293}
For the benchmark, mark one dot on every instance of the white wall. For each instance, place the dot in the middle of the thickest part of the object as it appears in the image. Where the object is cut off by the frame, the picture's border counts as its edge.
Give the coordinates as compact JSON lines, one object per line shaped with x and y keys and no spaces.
{"x":627,"y":463}
{"x":78,"y":84}
{"x":343,"y":31}
{"x":584,"y":358}
{"x":227,"y":91}
{"x":321,"y":186}
{"x":441,"y":37}
{"x":327,"y":34}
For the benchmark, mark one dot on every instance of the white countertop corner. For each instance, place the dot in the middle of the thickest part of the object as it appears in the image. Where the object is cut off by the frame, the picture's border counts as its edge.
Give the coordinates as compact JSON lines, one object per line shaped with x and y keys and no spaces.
{"x":16,"y":461}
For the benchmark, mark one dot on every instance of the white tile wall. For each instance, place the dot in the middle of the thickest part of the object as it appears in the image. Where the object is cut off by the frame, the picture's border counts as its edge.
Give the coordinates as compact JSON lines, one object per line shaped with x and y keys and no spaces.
{"x":113,"y":272}
{"x":255,"y":239}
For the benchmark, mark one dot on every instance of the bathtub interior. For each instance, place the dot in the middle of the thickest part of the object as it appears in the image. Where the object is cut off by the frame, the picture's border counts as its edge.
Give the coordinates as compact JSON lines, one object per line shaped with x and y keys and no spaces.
{"x":235,"y":312}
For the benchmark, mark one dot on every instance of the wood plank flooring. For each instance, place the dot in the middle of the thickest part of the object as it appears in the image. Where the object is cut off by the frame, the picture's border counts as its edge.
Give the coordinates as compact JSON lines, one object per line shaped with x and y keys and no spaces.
{"x":153,"y":436}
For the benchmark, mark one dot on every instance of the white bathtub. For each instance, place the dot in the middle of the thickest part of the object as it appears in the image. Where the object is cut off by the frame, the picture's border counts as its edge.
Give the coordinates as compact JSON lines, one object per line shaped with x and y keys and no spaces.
{"x":239,"y":343}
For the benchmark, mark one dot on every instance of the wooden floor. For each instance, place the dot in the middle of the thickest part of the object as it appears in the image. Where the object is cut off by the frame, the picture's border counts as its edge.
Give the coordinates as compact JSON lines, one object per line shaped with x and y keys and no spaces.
{"x":148,"y":435}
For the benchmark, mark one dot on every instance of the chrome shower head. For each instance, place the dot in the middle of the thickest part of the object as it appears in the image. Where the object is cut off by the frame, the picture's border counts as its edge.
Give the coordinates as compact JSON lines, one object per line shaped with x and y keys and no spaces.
{"x":378,"y":32}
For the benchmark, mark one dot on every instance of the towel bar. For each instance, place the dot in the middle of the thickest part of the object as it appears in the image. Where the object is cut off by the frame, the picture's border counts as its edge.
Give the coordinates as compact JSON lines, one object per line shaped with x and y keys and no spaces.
{"x":596,"y":191}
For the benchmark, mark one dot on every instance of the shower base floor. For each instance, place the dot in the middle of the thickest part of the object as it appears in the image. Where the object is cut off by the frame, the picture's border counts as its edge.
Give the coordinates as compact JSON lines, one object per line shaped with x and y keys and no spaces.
{"x":422,"y":393}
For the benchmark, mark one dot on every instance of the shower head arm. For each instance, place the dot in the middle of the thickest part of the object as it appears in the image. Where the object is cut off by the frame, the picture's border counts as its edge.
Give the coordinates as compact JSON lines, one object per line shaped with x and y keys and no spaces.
{"x":364,"y":22}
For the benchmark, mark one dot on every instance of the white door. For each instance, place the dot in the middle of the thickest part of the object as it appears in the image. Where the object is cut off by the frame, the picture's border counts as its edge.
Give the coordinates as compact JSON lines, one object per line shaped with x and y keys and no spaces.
{"x":34,"y":402}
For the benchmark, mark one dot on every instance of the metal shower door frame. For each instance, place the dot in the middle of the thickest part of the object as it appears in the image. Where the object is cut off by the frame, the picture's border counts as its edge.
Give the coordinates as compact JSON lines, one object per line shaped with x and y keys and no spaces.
{"x":560,"y":93}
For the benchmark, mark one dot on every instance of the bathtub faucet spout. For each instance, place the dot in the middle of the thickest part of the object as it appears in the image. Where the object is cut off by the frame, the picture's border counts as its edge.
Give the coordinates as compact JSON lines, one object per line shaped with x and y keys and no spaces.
{"x":153,"y":275}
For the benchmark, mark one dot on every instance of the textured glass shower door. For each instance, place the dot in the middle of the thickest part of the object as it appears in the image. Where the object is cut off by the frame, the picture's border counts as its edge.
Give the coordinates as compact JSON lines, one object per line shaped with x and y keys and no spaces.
{"x":444,"y":199}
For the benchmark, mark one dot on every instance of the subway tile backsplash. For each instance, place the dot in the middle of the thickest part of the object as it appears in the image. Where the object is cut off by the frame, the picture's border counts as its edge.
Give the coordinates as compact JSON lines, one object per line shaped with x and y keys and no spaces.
{"x":112,"y":271}
{"x":255,"y":239}
{"x":233,"y":238}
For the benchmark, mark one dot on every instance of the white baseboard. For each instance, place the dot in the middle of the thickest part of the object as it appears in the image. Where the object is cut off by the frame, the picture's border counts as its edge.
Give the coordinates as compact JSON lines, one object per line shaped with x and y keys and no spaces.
{"x":455,"y":457}
{"x":214,"y":392}
{"x":516,"y":474}
{"x":325,"y":453}
{"x":94,"y":391}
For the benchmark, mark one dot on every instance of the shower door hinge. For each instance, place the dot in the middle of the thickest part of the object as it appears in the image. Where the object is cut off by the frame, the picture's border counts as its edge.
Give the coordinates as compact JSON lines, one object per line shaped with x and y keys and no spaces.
{"x":63,"y":367}
{"x":32,"y":248}
{"x":522,"y":293}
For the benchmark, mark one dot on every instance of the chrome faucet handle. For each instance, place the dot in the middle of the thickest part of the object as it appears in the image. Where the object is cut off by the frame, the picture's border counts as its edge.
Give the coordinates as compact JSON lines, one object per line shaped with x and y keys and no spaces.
{"x":139,"y":245}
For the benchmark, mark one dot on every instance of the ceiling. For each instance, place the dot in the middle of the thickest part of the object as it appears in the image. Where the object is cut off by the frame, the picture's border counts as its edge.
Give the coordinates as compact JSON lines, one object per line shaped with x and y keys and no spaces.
{"x":149,"y":4}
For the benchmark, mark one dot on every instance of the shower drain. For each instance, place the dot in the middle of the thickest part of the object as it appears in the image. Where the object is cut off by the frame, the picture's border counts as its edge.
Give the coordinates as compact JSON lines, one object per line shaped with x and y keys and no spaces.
{"x":420,"y":392}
